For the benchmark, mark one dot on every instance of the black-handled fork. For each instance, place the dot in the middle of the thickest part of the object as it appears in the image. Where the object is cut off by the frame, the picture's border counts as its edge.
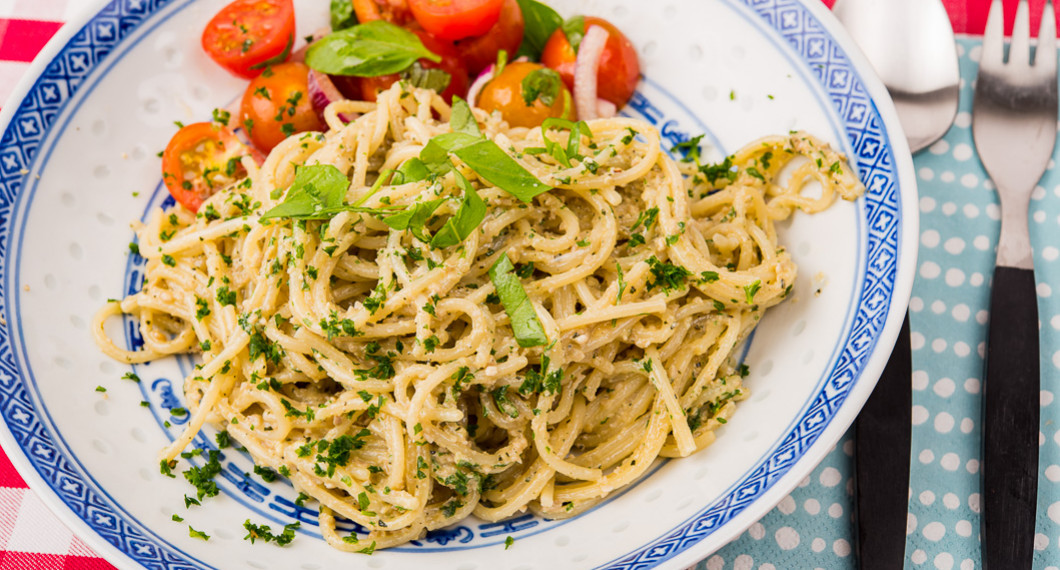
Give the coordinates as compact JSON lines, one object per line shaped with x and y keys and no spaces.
{"x":1014,"y":127}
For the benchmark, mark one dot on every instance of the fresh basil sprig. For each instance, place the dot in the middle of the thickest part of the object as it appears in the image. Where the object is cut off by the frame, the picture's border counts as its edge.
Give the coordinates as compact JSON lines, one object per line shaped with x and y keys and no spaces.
{"x":367,"y":50}
{"x":342,"y":15}
{"x":318,"y":193}
{"x":455,"y":230}
{"x":543,"y":84}
{"x":498,"y":168}
{"x":525,"y":324}
{"x":562,"y":154}
{"x":479,"y":153}
{"x":540,"y":22}
{"x":462,"y":120}
{"x":432,"y":78}
{"x":471,"y":213}
{"x":415,"y":218}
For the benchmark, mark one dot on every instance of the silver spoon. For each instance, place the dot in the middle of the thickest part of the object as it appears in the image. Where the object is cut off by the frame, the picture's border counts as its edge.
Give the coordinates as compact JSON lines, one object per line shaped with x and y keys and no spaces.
{"x":910,"y":43}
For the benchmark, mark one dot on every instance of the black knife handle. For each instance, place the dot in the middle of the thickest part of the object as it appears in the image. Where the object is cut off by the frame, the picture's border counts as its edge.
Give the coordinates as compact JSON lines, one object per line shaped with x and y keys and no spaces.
{"x":1010,"y":422}
{"x":881,"y":462}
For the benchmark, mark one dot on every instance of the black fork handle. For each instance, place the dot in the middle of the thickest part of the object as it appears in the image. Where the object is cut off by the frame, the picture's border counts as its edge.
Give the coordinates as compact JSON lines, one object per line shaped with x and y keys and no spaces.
{"x":1010,"y":422}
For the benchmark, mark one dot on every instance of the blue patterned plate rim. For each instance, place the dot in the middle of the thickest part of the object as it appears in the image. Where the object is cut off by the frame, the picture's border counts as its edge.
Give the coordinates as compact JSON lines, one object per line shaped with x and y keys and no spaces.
{"x":883,"y":159}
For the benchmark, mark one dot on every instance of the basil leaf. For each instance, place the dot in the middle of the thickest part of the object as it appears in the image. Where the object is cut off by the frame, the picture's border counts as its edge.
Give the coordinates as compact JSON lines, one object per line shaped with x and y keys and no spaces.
{"x":435,"y":155}
{"x":574,"y":28}
{"x":412,"y":170}
{"x":466,"y":220}
{"x":539,"y":23}
{"x":574,"y":141}
{"x":543,"y":84}
{"x":317,"y":190}
{"x":434,"y":79}
{"x":415,"y":218}
{"x":496,"y":167}
{"x":525,"y":324}
{"x":367,"y":50}
{"x":342,"y":15}
{"x":462,"y":120}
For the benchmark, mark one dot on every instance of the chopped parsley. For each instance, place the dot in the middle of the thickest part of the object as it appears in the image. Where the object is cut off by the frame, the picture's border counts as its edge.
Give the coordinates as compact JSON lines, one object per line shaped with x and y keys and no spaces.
{"x":264,"y":533}
{"x":666,"y":276}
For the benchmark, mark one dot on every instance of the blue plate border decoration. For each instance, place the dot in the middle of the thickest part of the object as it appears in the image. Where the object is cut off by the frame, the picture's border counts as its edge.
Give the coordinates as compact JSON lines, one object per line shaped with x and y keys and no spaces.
{"x":795,"y":23}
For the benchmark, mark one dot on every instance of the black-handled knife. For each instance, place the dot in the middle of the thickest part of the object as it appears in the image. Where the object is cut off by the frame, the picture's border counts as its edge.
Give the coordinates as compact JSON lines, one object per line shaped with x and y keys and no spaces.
{"x":1010,"y":422}
{"x":881,"y":463}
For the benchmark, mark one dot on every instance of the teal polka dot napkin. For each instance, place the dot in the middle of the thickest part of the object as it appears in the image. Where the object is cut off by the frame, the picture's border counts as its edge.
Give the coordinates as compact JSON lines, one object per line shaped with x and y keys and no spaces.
{"x":959,"y":225}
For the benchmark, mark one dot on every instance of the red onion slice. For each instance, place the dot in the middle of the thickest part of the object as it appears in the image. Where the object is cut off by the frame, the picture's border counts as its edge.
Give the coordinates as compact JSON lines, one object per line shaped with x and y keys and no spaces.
{"x":480,"y":82}
{"x":585,"y":70}
{"x":322,"y":92}
{"x":605,"y":109}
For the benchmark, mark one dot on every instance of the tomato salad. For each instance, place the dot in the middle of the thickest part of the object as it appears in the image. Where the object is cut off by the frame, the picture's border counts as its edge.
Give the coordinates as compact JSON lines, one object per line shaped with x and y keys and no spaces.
{"x":528,"y":64}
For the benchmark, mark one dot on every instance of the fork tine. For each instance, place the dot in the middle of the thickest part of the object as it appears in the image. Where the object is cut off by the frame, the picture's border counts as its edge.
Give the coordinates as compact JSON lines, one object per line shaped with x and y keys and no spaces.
{"x":1045,"y":58}
{"x":993,"y":54}
{"x":1019,"y":53}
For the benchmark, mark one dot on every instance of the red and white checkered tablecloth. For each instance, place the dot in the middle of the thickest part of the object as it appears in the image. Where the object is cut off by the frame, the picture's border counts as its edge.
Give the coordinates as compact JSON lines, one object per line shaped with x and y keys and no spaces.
{"x":31,"y":537}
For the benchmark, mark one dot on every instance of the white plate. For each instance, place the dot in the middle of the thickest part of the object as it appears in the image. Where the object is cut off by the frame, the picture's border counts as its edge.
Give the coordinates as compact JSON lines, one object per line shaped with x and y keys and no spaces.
{"x":77,"y":162}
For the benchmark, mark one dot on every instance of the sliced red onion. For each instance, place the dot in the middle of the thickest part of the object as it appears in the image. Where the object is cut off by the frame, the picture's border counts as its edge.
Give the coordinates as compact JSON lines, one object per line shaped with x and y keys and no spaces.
{"x":322,"y":92}
{"x":480,"y":82}
{"x":605,"y":109}
{"x":585,"y":70}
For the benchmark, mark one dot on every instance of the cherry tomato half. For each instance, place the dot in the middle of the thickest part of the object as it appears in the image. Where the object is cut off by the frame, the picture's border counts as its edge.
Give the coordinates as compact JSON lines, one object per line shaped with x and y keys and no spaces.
{"x":505,"y":93}
{"x":451,"y":63}
{"x":396,"y":11}
{"x":480,"y":51}
{"x":619,"y":68}
{"x":276,"y":105}
{"x":456,"y":19}
{"x":247,"y":33}
{"x":201,"y":159}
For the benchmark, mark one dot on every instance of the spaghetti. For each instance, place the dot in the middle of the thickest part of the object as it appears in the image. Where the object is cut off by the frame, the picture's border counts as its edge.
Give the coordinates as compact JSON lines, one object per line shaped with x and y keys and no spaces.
{"x":386,"y":378}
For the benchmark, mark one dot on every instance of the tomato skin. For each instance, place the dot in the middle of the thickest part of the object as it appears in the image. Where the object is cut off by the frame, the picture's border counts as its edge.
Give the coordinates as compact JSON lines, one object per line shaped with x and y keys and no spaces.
{"x":276,"y":105}
{"x":481,"y":51}
{"x":191,"y":152}
{"x":395,"y":11}
{"x":247,"y":33}
{"x":504,"y":93}
{"x":451,"y":63}
{"x":456,"y":19}
{"x":619,"y":69}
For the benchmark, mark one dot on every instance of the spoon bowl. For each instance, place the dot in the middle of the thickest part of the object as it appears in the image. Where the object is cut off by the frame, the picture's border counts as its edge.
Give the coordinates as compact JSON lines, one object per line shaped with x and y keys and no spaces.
{"x":910,"y":44}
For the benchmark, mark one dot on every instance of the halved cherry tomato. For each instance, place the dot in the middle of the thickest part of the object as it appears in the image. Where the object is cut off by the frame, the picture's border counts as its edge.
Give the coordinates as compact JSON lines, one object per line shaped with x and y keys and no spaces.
{"x":480,"y":51}
{"x":201,"y":159}
{"x":396,"y":11}
{"x":456,"y":19}
{"x":276,"y":105}
{"x":247,"y":33}
{"x":505,"y":93}
{"x":451,"y":64}
{"x":619,"y":68}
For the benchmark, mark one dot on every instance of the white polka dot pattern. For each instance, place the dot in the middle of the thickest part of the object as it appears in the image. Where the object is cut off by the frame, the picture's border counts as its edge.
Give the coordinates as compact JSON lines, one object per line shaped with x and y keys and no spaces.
{"x":959,"y":223}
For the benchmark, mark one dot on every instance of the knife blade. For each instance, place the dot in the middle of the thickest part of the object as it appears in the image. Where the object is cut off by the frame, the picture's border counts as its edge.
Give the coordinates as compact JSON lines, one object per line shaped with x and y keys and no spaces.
{"x":882,"y":437}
